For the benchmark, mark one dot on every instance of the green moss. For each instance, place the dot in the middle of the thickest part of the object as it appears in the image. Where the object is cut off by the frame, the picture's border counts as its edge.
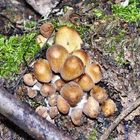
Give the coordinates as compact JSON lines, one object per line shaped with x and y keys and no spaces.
{"x":93,"y":135}
{"x":12,"y":50}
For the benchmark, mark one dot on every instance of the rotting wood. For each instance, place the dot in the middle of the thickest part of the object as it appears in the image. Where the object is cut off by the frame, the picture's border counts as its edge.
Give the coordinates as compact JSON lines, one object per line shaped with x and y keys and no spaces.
{"x":26,"y":118}
{"x":119,"y":119}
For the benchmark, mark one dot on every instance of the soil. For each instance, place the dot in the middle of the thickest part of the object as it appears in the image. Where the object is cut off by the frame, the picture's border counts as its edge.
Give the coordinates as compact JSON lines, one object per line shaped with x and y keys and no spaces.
{"x":121,"y":75}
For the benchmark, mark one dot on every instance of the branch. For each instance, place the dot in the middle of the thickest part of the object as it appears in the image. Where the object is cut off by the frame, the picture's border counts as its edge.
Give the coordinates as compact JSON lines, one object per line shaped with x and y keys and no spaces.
{"x":119,"y":119}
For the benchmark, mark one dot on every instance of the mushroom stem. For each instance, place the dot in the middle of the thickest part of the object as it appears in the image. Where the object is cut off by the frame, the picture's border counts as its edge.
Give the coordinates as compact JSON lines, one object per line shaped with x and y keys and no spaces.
{"x":26,"y":118}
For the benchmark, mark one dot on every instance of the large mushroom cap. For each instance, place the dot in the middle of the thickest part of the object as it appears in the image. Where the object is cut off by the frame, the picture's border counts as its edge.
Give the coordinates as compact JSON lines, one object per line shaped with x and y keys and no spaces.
{"x":72,"y":68}
{"x":91,"y":108}
{"x":68,"y":38}
{"x":85,"y":82}
{"x":94,"y":71}
{"x":72,"y":93}
{"x":109,"y":107}
{"x":56,"y":56}
{"x":83,"y":56}
{"x":42,"y":71}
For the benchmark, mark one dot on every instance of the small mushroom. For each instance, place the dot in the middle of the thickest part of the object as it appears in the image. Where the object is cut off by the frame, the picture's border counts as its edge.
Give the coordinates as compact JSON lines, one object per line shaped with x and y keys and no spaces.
{"x":108,"y":107}
{"x":85,"y":82}
{"x":94,"y":71}
{"x":72,"y":92}
{"x":29,"y":79}
{"x":91,"y":108}
{"x":53,"y":112}
{"x":59,"y":84}
{"x":77,"y":116}
{"x":42,"y":71}
{"x":47,"y":90}
{"x":52,"y":100}
{"x":46,"y":29}
{"x":62,"y":105}
{"x":68,"y":38}
{"x":99,"y":94}
{"x":32,"y":93}
{"x":40,"y":40}
{"x":56,"y":55}
{"x":72,"y":68}
{"x":83,"y":56}
{"x":42,"y":111}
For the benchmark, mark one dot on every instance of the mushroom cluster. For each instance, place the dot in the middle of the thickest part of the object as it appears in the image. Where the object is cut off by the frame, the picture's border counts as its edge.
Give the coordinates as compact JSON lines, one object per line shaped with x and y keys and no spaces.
{"x":68,"y":79}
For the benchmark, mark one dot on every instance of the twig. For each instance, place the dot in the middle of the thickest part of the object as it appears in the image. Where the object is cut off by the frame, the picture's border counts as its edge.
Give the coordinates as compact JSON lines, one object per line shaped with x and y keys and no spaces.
{"x":119,"y":119}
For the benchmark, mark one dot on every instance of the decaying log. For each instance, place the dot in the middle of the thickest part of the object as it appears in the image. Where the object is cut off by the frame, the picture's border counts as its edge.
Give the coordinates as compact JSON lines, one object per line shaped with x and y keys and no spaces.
{"x":25,"y":117}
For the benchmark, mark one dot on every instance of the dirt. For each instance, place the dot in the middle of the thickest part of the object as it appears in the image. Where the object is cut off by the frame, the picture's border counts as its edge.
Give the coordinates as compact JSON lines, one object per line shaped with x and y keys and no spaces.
{"x":121,"y":76}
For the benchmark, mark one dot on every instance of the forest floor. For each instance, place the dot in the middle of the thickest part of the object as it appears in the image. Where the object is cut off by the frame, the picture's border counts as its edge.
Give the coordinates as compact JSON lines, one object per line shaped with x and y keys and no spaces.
{"x":111,"y":35}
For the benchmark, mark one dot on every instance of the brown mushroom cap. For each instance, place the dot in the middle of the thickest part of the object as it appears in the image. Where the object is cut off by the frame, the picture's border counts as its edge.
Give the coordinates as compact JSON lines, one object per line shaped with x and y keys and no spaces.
{"x":83,"y":56}
{"x":72,"y":68}
{"x":91,"y":108}
{"x":68,"y":38}
{"x":56,"y":55}
{"x":42,"y":111}
{"x":53,"y":112}
{"x":59,"y":84}
{"x":99,"y":93}
{"x":32,"y":93}
{"x":29,"y":79}
{"x":62,"y":105}
{"x":94,"y":71}
{"x":85,"y":82}
{"x":52,"y":100}
{"x":46,"y":29}
{"x":76,"y":116}
{"x":72,"y":92}
{"x":108,"y":107}
{"x":47,"y":90}
{"x":42,"y":71}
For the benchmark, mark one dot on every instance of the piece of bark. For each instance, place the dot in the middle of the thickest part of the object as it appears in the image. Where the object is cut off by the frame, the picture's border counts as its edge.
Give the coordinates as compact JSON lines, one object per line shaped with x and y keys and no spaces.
{"x":43,"y":7}
{"x":26,"y":118}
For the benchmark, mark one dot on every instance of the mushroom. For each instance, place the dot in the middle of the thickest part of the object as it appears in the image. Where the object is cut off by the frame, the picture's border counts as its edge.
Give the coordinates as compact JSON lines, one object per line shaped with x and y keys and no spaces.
{"x":29,"y":79}
{"x":85,"y":82}
{"x":83,"y":56}
{"x":56,"y":55}
{"x":68,"y":38}
{"x":42,"y":71}
{"x":72,"y":92}
{"x":47,"y":90}
{"x":59,"y":84}
{"x":94,"y":71}
{"x":42,"y":111}
{"x":31,"y":93}
{"x":77,"y":116}
{"x":91,"y":108}
{"x":53,"y":112}
{"x":52,"y":100}
{"x":72,"y":68}
{"x":46,"y":29}
{"x":40,"y":40}
{"x":99,"y":94}
{"x":62,"y":105}
{"x":108,"y":107}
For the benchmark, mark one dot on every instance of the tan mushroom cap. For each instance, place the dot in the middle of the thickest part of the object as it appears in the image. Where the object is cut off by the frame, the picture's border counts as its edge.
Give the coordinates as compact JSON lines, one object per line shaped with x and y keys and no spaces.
{"x":72,"y":92}
{"x":42,"y":71}
{"x":99,"y":93}
{"x":40,"y":40}
{"x":72,"y":68}
{"x":29,"y":79}
{"x":32,"y":93}
{"x":42,"y":111}
{"x":68,"y":38}
{"x":85,"y":82}
{"x":83,"y":56}
{"x":47,"y":90}
{"x":59,"y":84}
{"x":62,"y":105}
{"x":76,"y":116}
{"x":46,"y":29}
{"x":91,"y":108}
{"x":108,"y":107}
{"x":53,"y":112}
{"x":52,"y":100}
{"x":94,"y":71}
{"x":56,"y":55}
